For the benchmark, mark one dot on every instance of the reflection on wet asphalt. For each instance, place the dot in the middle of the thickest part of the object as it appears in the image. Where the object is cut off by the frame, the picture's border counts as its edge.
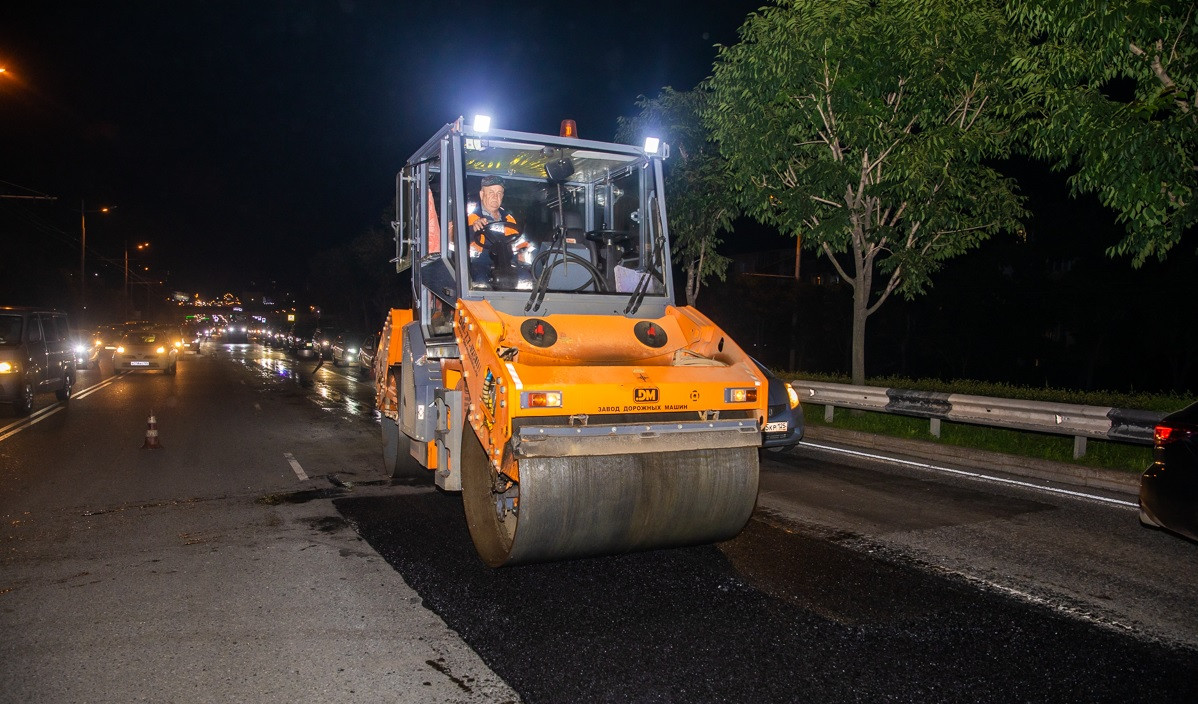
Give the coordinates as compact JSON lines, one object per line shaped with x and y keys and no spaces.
{"x":777,"y":614}
{"x":327,"y":387}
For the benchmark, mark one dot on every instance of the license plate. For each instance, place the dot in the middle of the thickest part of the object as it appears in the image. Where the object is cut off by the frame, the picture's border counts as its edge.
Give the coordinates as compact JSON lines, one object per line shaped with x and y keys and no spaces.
{"x":779,"y":427}
{"x":139,"y":364}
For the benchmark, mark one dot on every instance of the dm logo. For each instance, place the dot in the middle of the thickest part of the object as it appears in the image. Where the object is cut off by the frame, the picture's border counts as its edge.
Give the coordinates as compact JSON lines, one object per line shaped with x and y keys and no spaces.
{"x":644,"y":395}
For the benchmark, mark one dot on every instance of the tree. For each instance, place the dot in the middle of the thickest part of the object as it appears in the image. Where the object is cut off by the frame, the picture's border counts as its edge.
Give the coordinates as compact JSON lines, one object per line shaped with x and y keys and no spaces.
{"x":701,"y":207}
{"x":1115,"y":90}
{"x":864,"y":126}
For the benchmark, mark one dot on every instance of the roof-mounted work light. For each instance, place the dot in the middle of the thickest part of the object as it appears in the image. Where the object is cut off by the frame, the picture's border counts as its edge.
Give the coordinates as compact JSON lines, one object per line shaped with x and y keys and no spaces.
{"x":656,"y":147}
{"x":482,"y":123}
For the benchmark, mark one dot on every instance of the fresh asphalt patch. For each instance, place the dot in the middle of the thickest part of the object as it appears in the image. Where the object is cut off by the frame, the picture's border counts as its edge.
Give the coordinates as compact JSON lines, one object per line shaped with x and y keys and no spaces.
{"x":778,"y":614}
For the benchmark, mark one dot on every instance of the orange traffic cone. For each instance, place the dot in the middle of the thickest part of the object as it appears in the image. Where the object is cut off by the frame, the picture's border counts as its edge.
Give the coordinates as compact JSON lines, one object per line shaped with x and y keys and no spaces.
{"x":151,"y":442}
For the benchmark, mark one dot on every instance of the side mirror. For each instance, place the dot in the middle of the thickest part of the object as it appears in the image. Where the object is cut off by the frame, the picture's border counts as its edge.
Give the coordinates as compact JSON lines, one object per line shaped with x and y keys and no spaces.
{"x":559,"y":169}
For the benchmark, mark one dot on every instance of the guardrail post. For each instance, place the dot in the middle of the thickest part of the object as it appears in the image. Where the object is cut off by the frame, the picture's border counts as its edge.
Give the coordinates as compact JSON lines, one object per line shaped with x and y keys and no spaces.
{"x":1079,"y":446}
{"x":829,"y":411}
{"x":934,"y":427}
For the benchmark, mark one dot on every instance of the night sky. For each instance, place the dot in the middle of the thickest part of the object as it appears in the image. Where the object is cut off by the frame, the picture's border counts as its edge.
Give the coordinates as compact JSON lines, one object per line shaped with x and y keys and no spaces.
{"x":240,"y":138}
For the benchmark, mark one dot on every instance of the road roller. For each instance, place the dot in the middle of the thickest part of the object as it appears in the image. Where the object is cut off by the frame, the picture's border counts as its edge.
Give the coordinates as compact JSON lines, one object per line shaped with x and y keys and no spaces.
{"x":543,"y":369}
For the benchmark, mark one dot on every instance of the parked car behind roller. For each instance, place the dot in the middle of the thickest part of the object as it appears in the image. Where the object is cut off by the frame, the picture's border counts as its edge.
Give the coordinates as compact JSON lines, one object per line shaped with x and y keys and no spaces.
{"x":784,"y":427}
{"x":1169,"y":488}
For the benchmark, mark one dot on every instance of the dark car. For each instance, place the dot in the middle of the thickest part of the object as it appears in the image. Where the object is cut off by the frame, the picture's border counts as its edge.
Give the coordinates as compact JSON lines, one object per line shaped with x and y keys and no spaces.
{"x":90,"y":349}
{"x":37,"y":353}
{"x":344,"y":350}
{"x":366,"y":355}
{"x":1169,"y":488}
{"x":322,"y":340}
{"x":299,"y":340}
{"x":191,"y":338}
{"x":784,"y":427}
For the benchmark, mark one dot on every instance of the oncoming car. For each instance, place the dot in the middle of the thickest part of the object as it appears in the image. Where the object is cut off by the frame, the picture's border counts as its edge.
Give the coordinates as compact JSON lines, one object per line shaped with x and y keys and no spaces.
{"x":146,"y":350}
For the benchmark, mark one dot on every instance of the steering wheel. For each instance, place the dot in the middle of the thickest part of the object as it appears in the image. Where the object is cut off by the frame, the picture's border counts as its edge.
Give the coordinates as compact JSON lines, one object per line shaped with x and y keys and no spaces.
{"x":609,"y":237}
{"x":595,"y":276}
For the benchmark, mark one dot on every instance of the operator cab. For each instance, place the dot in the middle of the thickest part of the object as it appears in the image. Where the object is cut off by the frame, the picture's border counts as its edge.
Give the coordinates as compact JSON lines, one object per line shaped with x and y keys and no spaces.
{"x":580,"y":227}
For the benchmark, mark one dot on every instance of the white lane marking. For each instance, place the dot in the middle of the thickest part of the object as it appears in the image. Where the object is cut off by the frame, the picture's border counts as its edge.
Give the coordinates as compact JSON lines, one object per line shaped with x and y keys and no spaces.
{"x":974,"y":475}
{"x":295,"y":467}
{"x":96,"y":387}
{"x":29,"y":422}
{"x":38,"y":416}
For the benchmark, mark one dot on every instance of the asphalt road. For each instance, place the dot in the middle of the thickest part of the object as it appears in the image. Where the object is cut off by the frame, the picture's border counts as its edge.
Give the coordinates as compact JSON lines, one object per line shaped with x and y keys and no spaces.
{"x":260,"y":555}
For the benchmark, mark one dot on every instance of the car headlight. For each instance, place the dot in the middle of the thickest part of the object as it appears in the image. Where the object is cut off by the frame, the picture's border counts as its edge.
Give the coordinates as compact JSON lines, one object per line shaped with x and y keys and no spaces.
{"x":161,"y":349}
{"x":7,"y":367}
{"x":120,"y":349}
{"x":80,"y":349}
{"x":792,"y":396}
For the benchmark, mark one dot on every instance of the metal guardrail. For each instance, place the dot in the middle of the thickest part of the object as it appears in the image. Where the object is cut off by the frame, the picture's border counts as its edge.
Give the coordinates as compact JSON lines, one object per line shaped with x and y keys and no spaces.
{"x":1081,"y":422}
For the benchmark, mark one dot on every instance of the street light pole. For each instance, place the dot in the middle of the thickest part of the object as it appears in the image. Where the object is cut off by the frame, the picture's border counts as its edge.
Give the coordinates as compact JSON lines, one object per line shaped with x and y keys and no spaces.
{"x":141,"y":245}
{"x":82,"y":256}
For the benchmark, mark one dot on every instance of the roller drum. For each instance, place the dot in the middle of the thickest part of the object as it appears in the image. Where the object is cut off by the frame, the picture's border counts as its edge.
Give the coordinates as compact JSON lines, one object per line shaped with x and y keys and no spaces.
{"x":582,"y":506}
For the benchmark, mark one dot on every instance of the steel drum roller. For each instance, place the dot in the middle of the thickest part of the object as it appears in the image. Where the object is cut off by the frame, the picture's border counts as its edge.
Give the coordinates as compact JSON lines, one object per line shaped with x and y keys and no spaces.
{"x":582,"y":506}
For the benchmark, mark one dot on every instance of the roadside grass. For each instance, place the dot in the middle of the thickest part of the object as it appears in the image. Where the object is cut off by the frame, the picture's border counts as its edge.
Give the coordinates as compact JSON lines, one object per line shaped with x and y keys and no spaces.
{"x":1099,"y":453}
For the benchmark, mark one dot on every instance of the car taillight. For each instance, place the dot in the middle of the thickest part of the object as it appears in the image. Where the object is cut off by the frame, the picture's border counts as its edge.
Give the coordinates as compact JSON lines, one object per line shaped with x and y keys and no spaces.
{"x":1169,"y":434}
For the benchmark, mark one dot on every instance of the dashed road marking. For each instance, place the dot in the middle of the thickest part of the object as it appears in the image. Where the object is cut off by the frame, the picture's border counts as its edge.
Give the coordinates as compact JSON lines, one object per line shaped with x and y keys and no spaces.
{"x":295,"y":467}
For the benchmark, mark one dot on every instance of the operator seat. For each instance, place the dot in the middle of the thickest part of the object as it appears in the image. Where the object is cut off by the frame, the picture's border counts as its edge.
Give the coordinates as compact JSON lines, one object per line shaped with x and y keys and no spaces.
{"x":570,"y":275}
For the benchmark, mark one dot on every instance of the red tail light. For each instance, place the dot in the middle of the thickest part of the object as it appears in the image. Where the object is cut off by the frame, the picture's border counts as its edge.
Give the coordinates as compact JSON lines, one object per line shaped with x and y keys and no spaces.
{"x":1168,"y":434}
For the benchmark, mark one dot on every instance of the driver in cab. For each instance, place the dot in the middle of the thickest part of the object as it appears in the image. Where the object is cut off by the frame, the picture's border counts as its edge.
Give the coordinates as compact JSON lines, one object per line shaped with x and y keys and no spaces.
{"x":490,"y":226}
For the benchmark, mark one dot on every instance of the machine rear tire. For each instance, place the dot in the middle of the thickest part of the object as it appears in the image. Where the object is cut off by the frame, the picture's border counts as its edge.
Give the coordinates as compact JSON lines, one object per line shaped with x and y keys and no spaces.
{"x":398,"y":462}
{"x":582,"y":506}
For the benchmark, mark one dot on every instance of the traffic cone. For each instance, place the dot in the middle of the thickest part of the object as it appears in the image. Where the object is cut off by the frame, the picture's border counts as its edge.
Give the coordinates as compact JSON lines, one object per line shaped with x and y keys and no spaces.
{"x":151,"y":442}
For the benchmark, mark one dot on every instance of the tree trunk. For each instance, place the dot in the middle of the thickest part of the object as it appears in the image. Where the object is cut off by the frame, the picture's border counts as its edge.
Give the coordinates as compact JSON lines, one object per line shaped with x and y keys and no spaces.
{"x":860,"y":314}
{"x":692,"y":275}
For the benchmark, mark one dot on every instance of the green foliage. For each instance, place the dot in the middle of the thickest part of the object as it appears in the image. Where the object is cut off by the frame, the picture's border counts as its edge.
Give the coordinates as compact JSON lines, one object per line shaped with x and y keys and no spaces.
{"x":864,"y":126}
{"x":1112,"y":90}
{"x":701,"y":207}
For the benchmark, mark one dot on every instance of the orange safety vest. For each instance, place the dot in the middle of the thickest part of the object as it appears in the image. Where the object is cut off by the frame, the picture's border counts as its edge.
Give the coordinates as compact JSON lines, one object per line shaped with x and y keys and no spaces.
{"x":478,"y":240}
